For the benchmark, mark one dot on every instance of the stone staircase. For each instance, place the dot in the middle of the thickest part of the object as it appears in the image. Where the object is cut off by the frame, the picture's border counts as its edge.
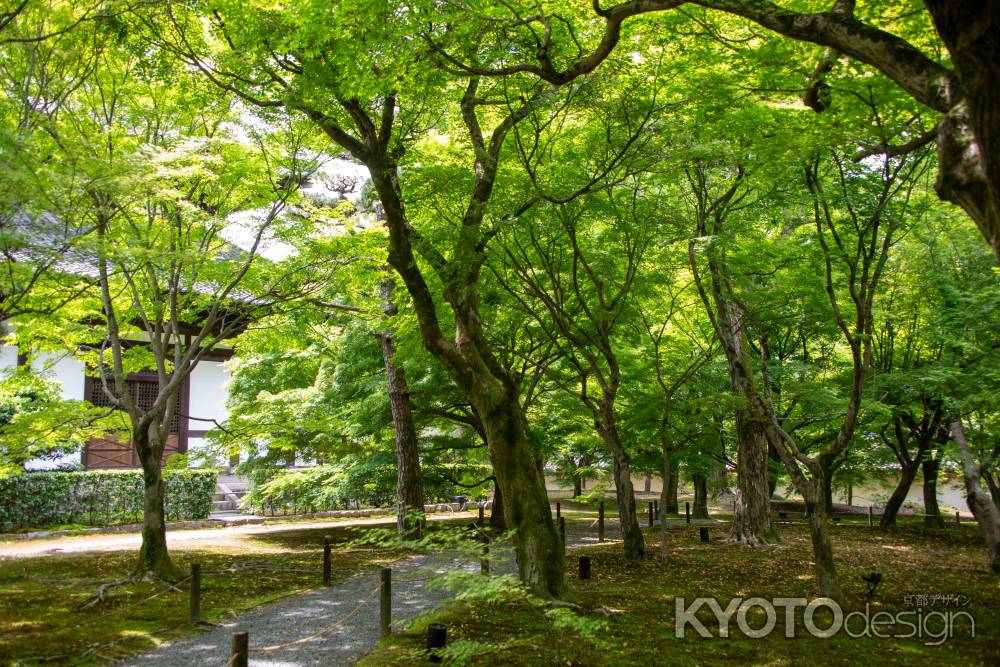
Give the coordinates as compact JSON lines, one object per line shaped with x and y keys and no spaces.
{"x":229,"y":491}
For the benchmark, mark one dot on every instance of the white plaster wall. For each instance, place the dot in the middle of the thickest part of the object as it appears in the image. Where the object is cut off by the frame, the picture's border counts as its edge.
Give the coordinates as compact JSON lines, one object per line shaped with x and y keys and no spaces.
{"x":8,"y":357}
{"x":69,"y":373}
{"x":63,"y":368}
{"x":209,"y":391}
{"x":199,"y":453}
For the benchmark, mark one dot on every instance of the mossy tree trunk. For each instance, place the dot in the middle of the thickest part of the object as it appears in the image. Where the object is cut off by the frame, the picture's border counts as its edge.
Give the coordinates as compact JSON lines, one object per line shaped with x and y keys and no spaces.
{"x":984,"y":508}
{"x":634,"y":545}
{"x":699,"y":509}
{"x":154,"y":557}
{"x":410,"y":518}
{"x":932,"y":511}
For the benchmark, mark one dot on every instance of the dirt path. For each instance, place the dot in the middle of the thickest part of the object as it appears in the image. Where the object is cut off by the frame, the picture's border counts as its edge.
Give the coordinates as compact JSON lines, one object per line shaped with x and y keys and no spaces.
{"x":227,"y":537}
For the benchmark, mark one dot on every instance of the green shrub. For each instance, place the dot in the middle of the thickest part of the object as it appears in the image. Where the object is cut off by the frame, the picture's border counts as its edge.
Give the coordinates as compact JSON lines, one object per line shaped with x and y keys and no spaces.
{"x":364,"y":481}
{"x":99,"y":497}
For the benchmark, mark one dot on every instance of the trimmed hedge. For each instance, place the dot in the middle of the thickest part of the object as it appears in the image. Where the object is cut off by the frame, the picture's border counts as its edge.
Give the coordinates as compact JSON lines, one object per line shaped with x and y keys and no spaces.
{"x":99,"y":497}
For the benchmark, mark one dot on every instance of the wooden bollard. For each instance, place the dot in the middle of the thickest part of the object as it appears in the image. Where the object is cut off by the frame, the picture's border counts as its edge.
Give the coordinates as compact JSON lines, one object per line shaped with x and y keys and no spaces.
{"x":584,"y":567}
{"x":650,"y":515}
{"x":664,"y":547}
{"x":703,"y":534}
{"x":558,"y":511}
{"x":327,"y":564}
{"x":194,"y":608}
{"x":871,"y":517}
{"x":385,"y":602}
{"x":481,"y":516}
{"x":240,"y":656}
{"x":958,"y":519}
{"x":562,"y":531}
{"x":687,"y":512}
{"x":600,"y":522}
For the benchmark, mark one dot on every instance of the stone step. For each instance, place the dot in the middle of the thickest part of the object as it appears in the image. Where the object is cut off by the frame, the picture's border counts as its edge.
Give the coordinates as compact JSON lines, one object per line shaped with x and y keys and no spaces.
{"x":235,"y":518}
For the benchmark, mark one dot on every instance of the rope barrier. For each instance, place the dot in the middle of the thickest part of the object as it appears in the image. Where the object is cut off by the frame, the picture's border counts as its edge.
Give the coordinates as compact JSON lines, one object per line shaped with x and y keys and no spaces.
{"x":320,"y":633}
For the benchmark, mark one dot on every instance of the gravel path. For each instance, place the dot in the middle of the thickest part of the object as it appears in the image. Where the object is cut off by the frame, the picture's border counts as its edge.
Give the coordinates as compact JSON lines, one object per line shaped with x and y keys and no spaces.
{"x":303,"y":615}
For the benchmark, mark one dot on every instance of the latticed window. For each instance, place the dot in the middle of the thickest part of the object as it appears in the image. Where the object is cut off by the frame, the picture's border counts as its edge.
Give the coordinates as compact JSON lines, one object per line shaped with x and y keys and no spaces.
{"x":144,"y":390}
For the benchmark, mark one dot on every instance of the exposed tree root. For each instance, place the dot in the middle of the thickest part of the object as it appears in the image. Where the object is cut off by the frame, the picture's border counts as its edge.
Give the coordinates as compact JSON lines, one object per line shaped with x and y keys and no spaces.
{"x":102,"y":593}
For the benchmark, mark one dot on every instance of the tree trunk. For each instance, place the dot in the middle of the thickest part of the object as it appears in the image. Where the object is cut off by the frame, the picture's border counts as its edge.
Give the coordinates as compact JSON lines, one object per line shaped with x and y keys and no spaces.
{"x":668,"y":492}
{"x":850,"y":494}
{"x":498,"y":523}
{"x":410,"y":518}
{"x":906,"y":476}
{"x":828,"y":491}
{"x":932,"y":512}
{"x":819,"y":534}
{"x":752,"y":522}
{"x":671,"y":504}
{"x":647,"y":486}
{"x":577,"y":485}
{"x":980,"y":503}
{"x":969,"y":172}
{"x":633,"y":542}
{"x":537,"y":546}
{"x":153,"y":554}
{"x":700,"y":509}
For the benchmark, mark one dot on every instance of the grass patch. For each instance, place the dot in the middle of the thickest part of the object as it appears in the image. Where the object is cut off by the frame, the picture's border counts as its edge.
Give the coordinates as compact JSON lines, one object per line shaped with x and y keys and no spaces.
{"x":638,"y":603}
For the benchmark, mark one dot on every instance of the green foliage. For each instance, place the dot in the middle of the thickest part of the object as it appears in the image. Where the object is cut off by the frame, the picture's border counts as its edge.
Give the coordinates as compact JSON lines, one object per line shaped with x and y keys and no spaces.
{"x":36,"y":422}
{"x":99,"y":497}
{"x":368,"y":481}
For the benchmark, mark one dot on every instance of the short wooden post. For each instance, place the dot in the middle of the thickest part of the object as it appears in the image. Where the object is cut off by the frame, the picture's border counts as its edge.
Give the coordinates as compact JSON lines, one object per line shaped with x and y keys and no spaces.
{"x":241,"y":650}
{"x":558,"y":511}
{"x":562,"y":531}
{"x":664,"y":546}
{"x":656,"y":507}
{"x":584,"y":567}
{"x":385,"y":602}
{"x":703,"y":534}
{"x":958,"y":519}
{"x":437,"y":637}
{"x":194,"y":608}
{"x":871,"y":517}
{"x":687,"y":511}
{"x":600,"y":522}
{"x":327,"y":566}
{"x":481,"y":522}
{"x":650,"y":515}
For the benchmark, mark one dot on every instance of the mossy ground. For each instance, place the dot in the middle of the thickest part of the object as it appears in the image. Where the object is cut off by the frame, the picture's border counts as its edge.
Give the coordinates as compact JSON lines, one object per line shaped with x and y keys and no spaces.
{"x":41,"y":597}
{"x":639,"y":599}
